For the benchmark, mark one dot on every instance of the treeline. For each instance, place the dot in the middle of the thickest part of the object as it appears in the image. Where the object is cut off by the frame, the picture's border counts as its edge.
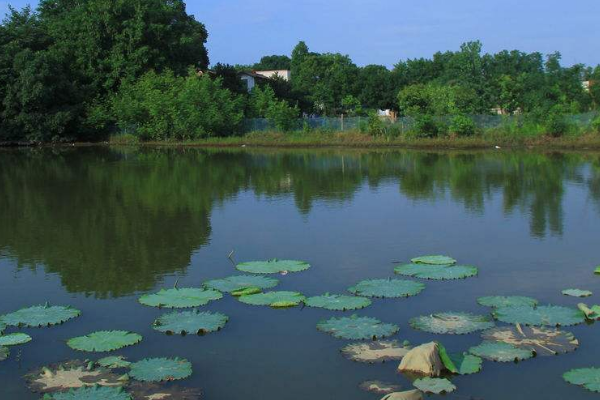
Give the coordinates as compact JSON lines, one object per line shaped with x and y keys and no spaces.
{"x":73,"y":70}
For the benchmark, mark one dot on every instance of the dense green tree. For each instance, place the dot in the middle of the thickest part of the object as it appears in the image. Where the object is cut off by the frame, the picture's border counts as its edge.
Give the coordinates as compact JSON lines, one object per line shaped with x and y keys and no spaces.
{"x":376,"y":88}
{"x":230,"y":78}
{"x":273,"y":62}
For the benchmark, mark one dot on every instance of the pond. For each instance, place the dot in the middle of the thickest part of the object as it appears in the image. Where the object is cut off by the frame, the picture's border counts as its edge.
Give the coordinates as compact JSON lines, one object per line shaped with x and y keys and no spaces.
{"x":96,"y":228}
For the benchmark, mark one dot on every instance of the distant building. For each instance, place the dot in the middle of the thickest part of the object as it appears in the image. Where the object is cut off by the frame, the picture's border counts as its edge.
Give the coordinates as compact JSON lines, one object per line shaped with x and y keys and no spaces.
{"x":252,"y":78}
{"x":586,"y":85}
{"x":387,"y":113}
{"x":286,"y":74}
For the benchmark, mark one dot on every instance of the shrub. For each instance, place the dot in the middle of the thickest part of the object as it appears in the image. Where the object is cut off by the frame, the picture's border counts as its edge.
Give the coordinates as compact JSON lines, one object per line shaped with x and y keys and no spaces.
{"x":556,"y":124}
{"x":462,"y":125}
{"x":375,"y":125}
{"x":426,"y":126}
{"x":596,"y":124}
{"x":282,"y":115}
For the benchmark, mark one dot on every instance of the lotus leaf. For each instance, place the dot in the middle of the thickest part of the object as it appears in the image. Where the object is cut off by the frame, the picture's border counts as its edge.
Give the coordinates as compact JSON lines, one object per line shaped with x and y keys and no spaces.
{"x":434,"y":385}
{"x":4,"y":353}
{"x":273,"y":266}
{"x":406,"y":395}
{"x":577,"y":293}
{"x":14,"y":339}
{"x":507,"y":301}
{"x":379,"y":387}
{"x":91,"y":393}
{"x":357,"y":328}
{"x":113,"y":362}
{"x":592,"y":313}
{"x":387,"y":288}
{"x":542,"y":341}
{"x":279,"y":299}
{"x":103,"y":341}
{"x":436,"y":272}
{"x":375,"y":352}
{"x":434,"y":260}
{"x":336,"y":302}
{"x":40,"y":316}
{"x":597,"y":270}
{"x":161,"y":369}
{"x":445,"y":358}
{"x":246,"y":291}
{"x":589,"y":378}
{"x":197,"y":322}
{"x":239,"y":282}
{"x":154,"y":391}
{"x":466,"y":364}
{"x":180,"y":298}
{"x":453,"y":323}
{"x":541,"y":315}
{"x":70,"y":375}
{"x":499,"y":351}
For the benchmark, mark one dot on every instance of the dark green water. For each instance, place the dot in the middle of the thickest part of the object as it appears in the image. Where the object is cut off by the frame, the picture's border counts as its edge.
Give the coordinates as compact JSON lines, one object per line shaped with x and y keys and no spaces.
{"x":96,"y":228}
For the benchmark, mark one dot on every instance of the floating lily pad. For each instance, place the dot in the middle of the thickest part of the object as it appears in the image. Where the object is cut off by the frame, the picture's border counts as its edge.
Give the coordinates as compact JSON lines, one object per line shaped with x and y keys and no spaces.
{"x":466,"y":364}
{"x":103,"y":341}
{"x":161,"y":369}
{"x":375,"y":352}
{"x":39,"y":316}
{"x":453,"y":323}
{"x":14,"y":339}
{"x":70,"y":375}
{"x":592,"y":313}
{"x":379,"y":387}
{"x":541,"y":315}
{"x":357,"y":328}
{"x":246,"y":291}
{"x":91,"y":393}
{"x":434,"y":385}
{"x":577,"y":293}
{"x":154,"y":391}
{"x":597,"y":270}
{"x":434,"y":260}
{"x":279,"y":299}
{"x":273,"y":266}
{"x":4,"y":353}
{"x":337,"y":302}
{"x":436,"y":272}
{"x":501,"y":352}
{"x":113,"y":362}
{"x":542,"y":341}
{"x":240,"y":282}
{"x":589,"y":378}
{"x":507,"y":301}
{"x":387,"y":288}
{"x":185,"y":322}
{"x":180,"y":298}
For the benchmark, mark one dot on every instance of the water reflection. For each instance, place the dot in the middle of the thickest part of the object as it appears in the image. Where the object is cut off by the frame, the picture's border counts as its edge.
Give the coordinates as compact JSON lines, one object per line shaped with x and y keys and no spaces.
{"x":113,"y":221}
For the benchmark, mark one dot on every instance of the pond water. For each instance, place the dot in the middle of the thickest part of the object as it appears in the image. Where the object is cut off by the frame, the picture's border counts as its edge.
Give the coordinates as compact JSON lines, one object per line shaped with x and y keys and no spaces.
{"x":97,"y":227}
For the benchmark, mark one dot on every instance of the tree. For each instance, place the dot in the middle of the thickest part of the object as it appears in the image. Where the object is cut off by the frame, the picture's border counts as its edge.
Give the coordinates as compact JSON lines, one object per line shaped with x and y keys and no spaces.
{"x":273,"y":62}
{"x":230,"y":78}
{"x":376,"y":88}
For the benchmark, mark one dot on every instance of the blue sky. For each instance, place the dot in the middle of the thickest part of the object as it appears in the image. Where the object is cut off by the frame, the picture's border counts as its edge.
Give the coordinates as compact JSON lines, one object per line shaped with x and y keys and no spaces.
{"x":384,"y":32}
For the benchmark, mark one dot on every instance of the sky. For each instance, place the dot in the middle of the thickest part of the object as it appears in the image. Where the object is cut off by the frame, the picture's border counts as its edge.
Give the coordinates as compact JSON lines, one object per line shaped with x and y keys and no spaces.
{"x":385,"y":32}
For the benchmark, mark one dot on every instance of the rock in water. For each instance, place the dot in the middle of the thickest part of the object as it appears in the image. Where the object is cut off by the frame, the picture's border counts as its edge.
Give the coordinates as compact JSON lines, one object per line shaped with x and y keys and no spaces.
{"x":424,"y":359}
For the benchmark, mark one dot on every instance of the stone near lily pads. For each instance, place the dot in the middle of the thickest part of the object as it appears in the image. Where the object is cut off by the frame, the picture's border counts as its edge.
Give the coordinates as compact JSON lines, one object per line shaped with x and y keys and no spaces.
{"x":434,"y":260}
{"x":423,"y":359}
{"x":357,"y":328}
{"x":336,"y":302}
{"x":379,"y":387}
{"x":434,"y":385}
{"x":507,"y":301}
{"x":161,"y":369}
{"x":577,"y":293}
{"x":542,"y":341}
{"x":406,"y":395}
{"x":540,"y":315}
{"x":39,"y":316}
{"x":453,"y":323}
{"x":589,"y":378}
{"x":375,"y":352}
{"x":387,"y":288}
{"x":104,"y":341}
{"x":273,"y":266}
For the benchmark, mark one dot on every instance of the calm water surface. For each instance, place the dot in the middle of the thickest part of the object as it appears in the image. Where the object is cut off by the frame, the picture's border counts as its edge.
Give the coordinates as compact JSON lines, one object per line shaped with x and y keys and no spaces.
{"x":96,"y":228}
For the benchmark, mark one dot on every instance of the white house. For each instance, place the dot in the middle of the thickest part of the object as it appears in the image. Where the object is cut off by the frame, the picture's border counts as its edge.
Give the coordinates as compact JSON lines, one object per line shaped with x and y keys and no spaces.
{"x":286,"y":74}
{"x":253,"y":77}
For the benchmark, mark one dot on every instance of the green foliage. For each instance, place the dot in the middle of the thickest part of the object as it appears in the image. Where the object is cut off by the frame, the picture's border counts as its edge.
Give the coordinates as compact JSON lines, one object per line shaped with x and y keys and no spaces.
{"x":452,"y":323}
{"x":462,"y":125}
{"x":14,"y":339}
{"x":263,"y":103}
{"x":556,"y":124}
{"x":387,"y":288}
{"x":589,"y":378}
{"x":180,"y":298}
{"x":194,"y":322}
{"x":273,"y":266}
{"x":161,"y":369}
{"x":351,"y":106}
{"x":427,"y":126}
{"x":274,"y":62}
{"x":103,"y":341}
{"x":357,"y":328}
{"x":596,"y":124}
{"x":90,"y":393}
{"x":336,"y":302}
{"x":39,"y":316}
{"x":466,"y":364}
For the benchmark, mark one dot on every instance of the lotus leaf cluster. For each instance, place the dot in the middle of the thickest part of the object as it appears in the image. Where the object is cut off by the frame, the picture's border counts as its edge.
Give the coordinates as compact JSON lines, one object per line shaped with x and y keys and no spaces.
{"x":241,"y":282}
{"x":453,"y":323}
{"x":14,"y":339}
{"x":186,"y":322}
{"x":434,"y":385}
{"x":434,"y":260}
{"x":379,"y":387}
{"x":375,"y":352}
{"x":577,"y":293}
{"x":357,"y":328}
{"x":70,"y":375}
{"x":591,"y":313}
{"x":387,"y":288}
{"x":181,"y":298}
{"x":507,"y":301}
{"x":39,"y":316}
{"x":501,"y":352}
{"x":161,"y":369}
{"x":542,"y":341}
{"x":281,"y":299}
{"x":91,"y":393}
{"x":273,"y":266}
{"x":589,"y":378}
{"x":540,"y":315}
{"x":436,"y":272}
{"x":335,"y":302}
{"x":103,"y":341}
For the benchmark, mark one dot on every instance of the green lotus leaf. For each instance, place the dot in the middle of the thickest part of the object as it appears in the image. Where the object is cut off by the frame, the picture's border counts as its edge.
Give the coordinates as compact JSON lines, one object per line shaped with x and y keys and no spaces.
{"x":379,"y":387}
{"x":180,"y":298}
{"x":14,"y":339}
{"x":357,"y":328}
{"x":434,"y":385}
{"x":577,"y":293}
{"x":507,"y":301}
{"x":90,"y":393}
{"x":501,"y":352}
{"x":161,"y":369}
{"x":387,"y":288}
{"x":589,"y":378}
{"x":336,"y":302}
{"x":71,"y":375}
{"x":246,"y":291}
{"x":453,"y":323}
{"x":541,"y":315}
{"x":597,"y":270}
{"x":434,"y":260}
{"x":281,"y":299}
{"x":274,"y":266}
{"x":239,"y":282}
{"x":436,"y":272}
{"x":40,"y":316}
{"x":592,"y":313}
{"x":542,"y":341}
{"x":4,"y":353}
{"x":375,"y":352}
{"x":113,"y":362}
{"x":103,"y":341}
{"x":185,"y":322}
{"x":466,"y":364}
